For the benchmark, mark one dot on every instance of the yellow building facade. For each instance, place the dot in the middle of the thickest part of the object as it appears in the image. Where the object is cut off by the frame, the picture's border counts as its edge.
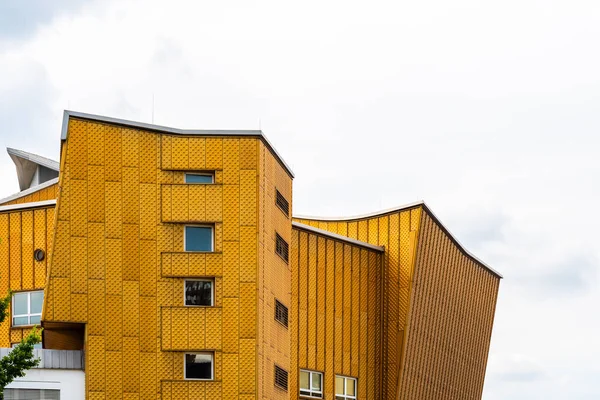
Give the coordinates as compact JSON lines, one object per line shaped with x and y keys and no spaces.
{"x":173,"y":260}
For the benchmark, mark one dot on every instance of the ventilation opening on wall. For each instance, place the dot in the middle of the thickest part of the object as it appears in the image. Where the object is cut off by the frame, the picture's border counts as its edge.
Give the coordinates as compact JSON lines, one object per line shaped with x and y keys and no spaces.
{"x":281,"y":378}
{"x":281,"y":313}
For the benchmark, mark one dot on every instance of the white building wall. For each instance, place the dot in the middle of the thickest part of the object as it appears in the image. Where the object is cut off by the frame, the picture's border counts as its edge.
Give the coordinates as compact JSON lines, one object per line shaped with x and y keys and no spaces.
{"x":71,"y":383}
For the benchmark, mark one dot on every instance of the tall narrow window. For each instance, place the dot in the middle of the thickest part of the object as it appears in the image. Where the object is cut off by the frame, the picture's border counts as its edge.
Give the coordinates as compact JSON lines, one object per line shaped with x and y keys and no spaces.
{"x":311,"y":384}
{"x":345,"y":388}
{"x":281,"y":247}
{"x":281,"y":378}
{"x":282,"y":203}
{"x":204,"y":177}
{"x":199,"y":366}
{"x":198,"y":292}
{"x":281,"y":313}
{"x":27,"y":308}
{"x":198,"y":238}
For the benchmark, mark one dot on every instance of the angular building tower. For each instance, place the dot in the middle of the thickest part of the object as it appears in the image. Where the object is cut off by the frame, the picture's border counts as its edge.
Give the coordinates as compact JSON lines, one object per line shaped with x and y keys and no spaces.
{"x":172,"y":262}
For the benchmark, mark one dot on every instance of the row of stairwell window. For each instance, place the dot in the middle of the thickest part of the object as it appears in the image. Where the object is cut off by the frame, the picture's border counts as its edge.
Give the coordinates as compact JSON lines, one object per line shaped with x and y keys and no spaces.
{"x":199,"y":292}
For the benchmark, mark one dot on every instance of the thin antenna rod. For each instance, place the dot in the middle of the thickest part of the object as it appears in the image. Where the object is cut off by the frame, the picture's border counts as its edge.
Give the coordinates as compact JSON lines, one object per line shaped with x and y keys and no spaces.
{"x":152,"y":107}
{"x":259,"y":124}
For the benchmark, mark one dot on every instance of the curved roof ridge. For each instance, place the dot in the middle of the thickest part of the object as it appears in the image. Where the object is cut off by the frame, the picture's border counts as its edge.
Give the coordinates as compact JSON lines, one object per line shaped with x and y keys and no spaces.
{"x":363,"y":216}
{"x":421,"y":203}
{"x":335,"y":236}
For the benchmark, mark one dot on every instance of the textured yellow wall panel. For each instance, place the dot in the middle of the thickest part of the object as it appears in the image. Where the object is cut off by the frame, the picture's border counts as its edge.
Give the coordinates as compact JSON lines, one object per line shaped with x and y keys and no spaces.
{"x":197,"y":156}
{"x":27,"y":250}
{"x":247,"y":324}
{"x":96,"y":370}
{"x":230,"y":324}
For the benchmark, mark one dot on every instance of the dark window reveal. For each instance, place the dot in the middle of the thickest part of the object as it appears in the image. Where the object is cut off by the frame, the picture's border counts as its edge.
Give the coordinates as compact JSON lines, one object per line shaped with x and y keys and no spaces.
{"x":282,"y":203}
{"x":281,"y":313}
{"x":281,"y":247}
{"x":199,"y":366}
{"x":199,"y":293}
{"x":281,"y":378}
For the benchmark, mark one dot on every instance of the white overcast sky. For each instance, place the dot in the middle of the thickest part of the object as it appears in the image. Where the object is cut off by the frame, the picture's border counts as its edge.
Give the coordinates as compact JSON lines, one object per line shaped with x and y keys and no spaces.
{"x":487,"y":110}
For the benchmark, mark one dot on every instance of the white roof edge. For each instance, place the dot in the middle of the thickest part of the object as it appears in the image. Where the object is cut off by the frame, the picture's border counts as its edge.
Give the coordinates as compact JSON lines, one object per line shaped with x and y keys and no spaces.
{"x":404,"y":207}
{"x":24,"y":206}
{"x":35,"y":158}
{"x":176,"y":131}
{"x":29,"y":191}
{"x":335,"y":236}
{"x":363,"y":216}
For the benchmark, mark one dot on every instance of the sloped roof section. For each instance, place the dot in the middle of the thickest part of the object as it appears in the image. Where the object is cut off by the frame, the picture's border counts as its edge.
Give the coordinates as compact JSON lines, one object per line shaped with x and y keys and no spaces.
{"x":335,"y":236}
{"x":174,"y":131}
{"x":421,"y":203}
{"x":27,"y":164}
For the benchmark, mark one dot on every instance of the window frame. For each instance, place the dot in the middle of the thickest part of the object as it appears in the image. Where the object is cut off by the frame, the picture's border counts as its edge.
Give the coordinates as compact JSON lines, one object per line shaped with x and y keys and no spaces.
{"x":212,"y":291}
{"x":313,"y":394}
{"x":212,"y":366}
{"x":212,"y":238}
{"x":29,"y":314}
{"x":211,"y":174}
{"x":344,"y":395}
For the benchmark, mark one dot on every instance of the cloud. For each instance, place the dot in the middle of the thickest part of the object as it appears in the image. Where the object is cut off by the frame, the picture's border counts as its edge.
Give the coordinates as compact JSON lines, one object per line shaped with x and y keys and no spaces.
{"x":487,"y":111}
{"x":20,"y":19}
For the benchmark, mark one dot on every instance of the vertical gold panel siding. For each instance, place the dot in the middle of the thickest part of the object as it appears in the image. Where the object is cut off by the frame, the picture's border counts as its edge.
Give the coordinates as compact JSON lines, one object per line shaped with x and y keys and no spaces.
{"x":452,"y":295}
{"x":21,"y":233}
{"x":331,"y":292}
{"x":394,"y":232}
{"x":408,"y":370}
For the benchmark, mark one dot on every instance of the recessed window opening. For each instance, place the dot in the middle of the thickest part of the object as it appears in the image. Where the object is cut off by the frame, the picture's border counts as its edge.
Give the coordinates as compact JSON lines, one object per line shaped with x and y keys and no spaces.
{"x":311,"y":384}
{"x":198,"y":238}
{"x":27,"y":308}
{"x":204,"y":177}
{"x":199,"y":366}
{"x":282,"y":203}
{"x":281,"y":247}
{"x":281,"y":313}
{"x":199,"y":292}
{"x":345,"y":388}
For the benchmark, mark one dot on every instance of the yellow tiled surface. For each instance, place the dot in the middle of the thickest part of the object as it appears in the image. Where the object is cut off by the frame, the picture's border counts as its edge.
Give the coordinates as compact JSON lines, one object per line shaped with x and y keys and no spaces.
{"x":330,"y":295}
{"x":121,"y":208}
{"x":21,"y":233}
{"x":410,"y":355}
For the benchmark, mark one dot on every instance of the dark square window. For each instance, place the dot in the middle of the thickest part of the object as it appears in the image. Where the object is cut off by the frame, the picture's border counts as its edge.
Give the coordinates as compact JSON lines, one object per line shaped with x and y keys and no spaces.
{"x":199,"y":366}
{"x":198,"y":238}
{"x":199,"y":293}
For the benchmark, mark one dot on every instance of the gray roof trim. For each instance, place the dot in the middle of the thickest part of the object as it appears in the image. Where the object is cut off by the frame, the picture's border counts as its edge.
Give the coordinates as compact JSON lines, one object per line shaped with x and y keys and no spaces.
{"x":29,"y":191}
{"x":43,"y":161}
{"x":335,"y":236}
{"x":363,"y":216}
{"x":25,"y":206}
{"x":175,"y":131}
{"x":421,"y":203}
